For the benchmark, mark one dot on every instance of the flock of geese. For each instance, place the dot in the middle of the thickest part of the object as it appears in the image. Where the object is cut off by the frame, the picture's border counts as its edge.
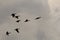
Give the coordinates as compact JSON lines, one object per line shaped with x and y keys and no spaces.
{"x":17,"y":17}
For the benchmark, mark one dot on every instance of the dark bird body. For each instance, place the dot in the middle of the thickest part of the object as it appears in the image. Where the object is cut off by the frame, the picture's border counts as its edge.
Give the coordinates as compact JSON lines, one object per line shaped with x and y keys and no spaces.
{"x":18,"y":21}
{"x":17,"y":30}
{"x":17,"y":17}
{"x":13,"y":15}
{"x":7,"y":33}
{"x":26,"y":20}
{"x":37,"y":18}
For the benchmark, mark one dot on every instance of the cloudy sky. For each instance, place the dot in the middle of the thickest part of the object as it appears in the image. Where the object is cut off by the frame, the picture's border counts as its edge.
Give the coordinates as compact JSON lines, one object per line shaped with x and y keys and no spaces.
{"x":46,"y":28}
{"x":35,"y":7}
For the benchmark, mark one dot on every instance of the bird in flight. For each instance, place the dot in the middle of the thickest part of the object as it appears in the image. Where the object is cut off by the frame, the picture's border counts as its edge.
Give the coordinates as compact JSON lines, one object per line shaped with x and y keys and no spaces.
{"x":18,"y":21}
{"x":37,"y":18}
{"x":26,"y":20}
{"x":7,"y":33}
{"x":17,"y":30}
{"x":13,"y":14}
{"x":17,"y":17}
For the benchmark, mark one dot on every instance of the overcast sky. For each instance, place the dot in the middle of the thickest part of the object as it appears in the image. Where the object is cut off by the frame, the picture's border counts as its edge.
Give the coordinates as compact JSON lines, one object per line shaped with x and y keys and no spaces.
{"x":45,"y":29}
{"x":35,"y":7}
